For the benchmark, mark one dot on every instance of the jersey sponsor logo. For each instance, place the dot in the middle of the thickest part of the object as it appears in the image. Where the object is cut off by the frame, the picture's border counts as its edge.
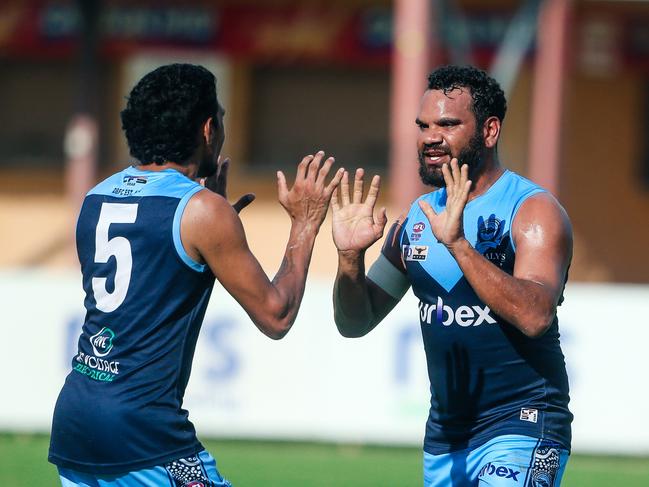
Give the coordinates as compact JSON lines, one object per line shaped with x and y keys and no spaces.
{"x":134,"y":180}
{"x":499,"y":471}
{"x":464,"y":315}
{"x":415,"y":252}
{"x":94,"y":366}
{"x":529,"y":415}
{"x":134,"y":183}
{"x":417,"y":228}
{"x":102,"y":342}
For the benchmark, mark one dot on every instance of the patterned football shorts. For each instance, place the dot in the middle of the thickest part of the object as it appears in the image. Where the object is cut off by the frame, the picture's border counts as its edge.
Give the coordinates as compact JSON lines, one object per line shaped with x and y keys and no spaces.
{"x":194,"y":471}
{"x":505,"y":461}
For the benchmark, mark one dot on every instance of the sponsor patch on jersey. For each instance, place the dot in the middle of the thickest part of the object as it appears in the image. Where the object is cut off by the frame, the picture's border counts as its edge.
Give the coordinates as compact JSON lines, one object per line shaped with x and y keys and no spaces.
{"x":418,"y":227}
{"x":530,"y":415}
{"x":102,"y":341}
{"x":134,"y":180}
{"x":502,"y":471}
{"x":417,"y":230}
{"x":415,"y":252}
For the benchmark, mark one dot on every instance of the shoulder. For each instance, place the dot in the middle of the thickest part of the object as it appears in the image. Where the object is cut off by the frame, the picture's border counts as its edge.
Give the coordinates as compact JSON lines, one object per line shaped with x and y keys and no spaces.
{"x":210,"y":219}
{"x":540,"y":205}
{"x":541,"y":215}
{"x":206,"y":202}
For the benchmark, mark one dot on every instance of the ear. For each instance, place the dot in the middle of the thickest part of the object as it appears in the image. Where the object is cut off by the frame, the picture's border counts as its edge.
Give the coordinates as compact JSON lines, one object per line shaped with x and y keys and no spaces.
{"x":208,"y":130}
{"x":491,"y":132}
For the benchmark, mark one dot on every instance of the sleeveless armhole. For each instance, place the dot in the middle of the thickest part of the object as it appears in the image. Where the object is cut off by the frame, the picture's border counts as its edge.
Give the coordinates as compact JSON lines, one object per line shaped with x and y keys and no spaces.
{"x":178,"y":244}
{"x":519,"y":203}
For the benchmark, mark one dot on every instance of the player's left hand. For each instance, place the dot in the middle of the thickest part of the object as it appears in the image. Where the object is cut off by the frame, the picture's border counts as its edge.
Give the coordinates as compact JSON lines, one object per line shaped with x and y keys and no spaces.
{"x":447,"y":226}
{"x":219,"y":181}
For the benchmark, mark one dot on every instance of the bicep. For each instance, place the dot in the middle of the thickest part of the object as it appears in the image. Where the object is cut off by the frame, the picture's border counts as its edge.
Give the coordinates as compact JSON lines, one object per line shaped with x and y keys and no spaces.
{"x":543,"y":237}
{"x":213,"y":229}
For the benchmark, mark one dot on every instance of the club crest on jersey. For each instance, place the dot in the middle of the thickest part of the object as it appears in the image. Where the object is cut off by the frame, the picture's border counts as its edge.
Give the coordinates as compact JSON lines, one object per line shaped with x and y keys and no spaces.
{"x":415,"y":252}
{"x":417,"y":230}
{"x":490,"y":233}
{"x":102,"y":342}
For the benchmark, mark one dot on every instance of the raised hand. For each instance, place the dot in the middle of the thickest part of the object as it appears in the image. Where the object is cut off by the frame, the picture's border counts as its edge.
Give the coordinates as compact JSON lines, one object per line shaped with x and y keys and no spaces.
{"x":355,"y":227}
{"x":308,"y":200}
{"x":219,"y":181}
{"x":447,"y":226}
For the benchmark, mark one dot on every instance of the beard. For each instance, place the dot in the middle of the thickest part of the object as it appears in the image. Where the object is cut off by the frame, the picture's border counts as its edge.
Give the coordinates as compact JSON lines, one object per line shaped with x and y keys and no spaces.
{"x":207,"y":167}
{"x":471,"y":155}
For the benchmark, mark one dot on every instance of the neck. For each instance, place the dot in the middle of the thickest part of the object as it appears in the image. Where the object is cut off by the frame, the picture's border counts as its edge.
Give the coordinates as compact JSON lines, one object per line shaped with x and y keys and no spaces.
{"x":188,"y":170}
{"x":489,"y":174}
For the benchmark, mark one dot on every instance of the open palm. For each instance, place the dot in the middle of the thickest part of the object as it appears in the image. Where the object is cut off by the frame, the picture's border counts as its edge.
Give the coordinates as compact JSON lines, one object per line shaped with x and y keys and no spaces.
{"x":354,"y":225}
{"x":447,"y":226}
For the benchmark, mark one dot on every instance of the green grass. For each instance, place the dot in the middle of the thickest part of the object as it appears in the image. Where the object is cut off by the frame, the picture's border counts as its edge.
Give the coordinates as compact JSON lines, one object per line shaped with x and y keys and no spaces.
{"x":23,"y":462}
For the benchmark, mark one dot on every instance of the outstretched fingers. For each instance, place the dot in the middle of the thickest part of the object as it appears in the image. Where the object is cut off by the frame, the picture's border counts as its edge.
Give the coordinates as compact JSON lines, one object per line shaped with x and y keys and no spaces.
{"x":373,"y":192}
{"x":244,"y":201}
{"x":465,"y":184}
{"x":302,"y":167}
{"x":334,"y":199}
{"x":344,"y":189}
{"x":358,"y":186}
{"x":282,"y":188}
{"x":428,"y":210}
{"x":380,"y":220}
{"x":222,"y":177}
{"x":324,"y":171}
{"x":332,"y":187}
{"x":315,"y":165}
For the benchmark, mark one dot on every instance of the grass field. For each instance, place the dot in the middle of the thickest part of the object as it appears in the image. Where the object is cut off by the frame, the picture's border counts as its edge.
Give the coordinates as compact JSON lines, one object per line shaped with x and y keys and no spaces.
{"x":273,"y":464}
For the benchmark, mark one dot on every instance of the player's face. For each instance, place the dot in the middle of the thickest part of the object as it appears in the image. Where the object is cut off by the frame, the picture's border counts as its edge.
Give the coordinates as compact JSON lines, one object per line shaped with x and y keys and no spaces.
{"x":208,"y":165}
{"x":447,"y":129}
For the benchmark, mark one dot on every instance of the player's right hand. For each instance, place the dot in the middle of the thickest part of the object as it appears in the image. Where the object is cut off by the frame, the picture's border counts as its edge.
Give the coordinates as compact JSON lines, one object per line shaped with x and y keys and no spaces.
{"x":308,"y":200}
{"x":355,"y":227}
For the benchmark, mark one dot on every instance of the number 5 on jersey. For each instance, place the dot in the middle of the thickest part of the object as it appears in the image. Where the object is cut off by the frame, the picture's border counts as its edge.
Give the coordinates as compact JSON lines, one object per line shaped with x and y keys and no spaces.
{"x":120,"y":247}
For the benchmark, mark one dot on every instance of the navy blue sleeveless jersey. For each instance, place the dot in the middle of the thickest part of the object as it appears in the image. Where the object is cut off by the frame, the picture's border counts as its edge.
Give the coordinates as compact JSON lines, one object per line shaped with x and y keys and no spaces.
{"x":486,"y":377}
{"x":121,"y":406}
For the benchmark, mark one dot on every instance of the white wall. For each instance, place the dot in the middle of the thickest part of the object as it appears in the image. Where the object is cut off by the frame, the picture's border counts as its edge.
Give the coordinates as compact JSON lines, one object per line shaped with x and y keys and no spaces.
{"x":317,"y":385}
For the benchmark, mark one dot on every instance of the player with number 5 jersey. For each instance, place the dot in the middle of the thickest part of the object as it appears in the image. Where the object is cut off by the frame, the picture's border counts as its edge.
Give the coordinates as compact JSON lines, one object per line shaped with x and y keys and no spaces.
{"x":151,"y":240}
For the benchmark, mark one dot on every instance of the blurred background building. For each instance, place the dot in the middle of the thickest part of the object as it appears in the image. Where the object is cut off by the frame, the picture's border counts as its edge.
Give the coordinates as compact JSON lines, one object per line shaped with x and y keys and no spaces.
{"x":296,"y":76}
{"x":345,"y":76}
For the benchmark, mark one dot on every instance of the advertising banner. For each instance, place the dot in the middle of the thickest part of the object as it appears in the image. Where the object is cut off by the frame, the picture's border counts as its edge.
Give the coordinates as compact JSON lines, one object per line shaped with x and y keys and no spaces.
{"x":316,"y":385}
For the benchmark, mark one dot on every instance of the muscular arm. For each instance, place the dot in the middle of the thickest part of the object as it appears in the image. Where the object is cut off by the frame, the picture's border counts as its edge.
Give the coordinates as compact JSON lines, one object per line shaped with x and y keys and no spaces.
{"x":221,"y":243}
{"x":359,"y":303}
{"x":212,"y":232}
{"x":527,"y":299}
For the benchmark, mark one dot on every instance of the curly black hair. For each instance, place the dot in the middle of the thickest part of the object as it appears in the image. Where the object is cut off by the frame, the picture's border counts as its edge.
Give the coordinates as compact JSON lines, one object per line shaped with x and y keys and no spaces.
{"x":165,"y":111}
{"x":488,"y":97}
